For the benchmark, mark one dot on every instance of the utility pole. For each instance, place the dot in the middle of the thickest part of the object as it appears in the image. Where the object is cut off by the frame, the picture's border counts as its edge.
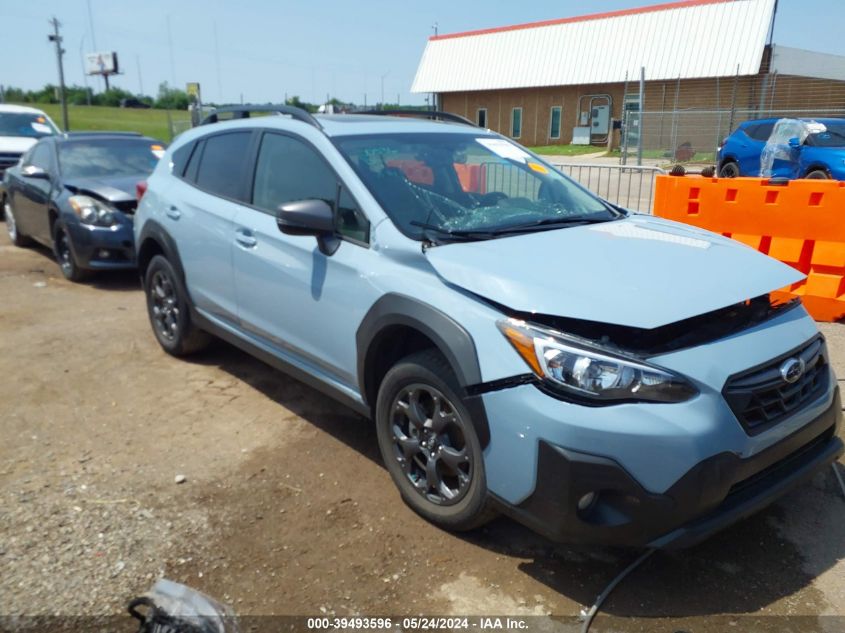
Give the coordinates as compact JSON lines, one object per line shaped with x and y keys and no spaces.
{"x":434,"y":27}
{"x":382,"y":88}
{"x":140,"y":79}
{"x":57,"y":40}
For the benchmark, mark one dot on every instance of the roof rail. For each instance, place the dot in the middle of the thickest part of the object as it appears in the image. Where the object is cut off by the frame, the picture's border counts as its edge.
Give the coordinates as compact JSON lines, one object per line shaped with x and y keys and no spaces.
{"x":244,"y":111}
{"x":101,"y":133}
{"x":434,"y":115}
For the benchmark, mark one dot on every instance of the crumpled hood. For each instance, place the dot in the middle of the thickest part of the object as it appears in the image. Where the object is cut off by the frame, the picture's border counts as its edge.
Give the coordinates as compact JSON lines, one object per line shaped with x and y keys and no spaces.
{"x":640,"y":271}
{"x":16,"y":144}
{"x":111,"y":189}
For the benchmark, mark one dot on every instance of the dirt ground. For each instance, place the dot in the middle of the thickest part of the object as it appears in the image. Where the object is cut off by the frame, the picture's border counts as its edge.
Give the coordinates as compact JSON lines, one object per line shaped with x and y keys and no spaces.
{"x":286,"y":508}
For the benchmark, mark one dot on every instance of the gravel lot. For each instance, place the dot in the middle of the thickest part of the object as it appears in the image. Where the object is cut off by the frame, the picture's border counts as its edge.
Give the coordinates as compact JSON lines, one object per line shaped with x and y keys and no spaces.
{"x":286,"y":508}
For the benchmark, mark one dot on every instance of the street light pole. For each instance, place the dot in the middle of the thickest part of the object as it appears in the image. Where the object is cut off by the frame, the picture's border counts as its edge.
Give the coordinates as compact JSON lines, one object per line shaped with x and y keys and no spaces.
{"x":57,"y":40}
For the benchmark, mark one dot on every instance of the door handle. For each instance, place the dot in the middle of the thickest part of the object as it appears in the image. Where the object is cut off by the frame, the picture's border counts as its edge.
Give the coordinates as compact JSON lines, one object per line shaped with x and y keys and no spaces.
{"x":173,"y":213}
{"x":245,"y":238}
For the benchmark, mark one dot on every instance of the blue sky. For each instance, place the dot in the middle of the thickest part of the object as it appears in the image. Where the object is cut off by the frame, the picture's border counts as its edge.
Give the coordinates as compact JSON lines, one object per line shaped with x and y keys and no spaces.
{"x":268,"y":49}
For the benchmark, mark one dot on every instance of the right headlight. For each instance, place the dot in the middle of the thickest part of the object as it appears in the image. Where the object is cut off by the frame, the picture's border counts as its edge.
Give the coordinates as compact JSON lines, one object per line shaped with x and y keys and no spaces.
{"x":573,"y":367}
{"x":92,"y":212}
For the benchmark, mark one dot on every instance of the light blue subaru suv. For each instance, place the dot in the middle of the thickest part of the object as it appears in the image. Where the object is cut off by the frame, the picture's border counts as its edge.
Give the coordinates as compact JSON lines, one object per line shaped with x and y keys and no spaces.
{"x":522,"y":346}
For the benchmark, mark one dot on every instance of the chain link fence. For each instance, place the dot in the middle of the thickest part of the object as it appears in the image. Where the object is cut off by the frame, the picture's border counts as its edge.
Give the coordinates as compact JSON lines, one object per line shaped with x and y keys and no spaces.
{"x":685,"y":120}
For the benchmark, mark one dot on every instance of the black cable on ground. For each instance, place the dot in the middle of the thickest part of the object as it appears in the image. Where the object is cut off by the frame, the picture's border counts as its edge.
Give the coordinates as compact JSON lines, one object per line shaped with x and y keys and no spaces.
{"x":593,"y":610}
{"x":839,"y":477}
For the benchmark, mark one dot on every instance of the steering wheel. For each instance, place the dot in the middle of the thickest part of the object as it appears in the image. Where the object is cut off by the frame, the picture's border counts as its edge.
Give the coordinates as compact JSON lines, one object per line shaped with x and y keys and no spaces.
{"x":491,"y":199}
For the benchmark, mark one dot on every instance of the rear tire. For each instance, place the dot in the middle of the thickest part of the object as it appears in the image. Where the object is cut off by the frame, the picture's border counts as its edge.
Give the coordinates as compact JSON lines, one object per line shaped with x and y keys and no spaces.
{"x":429,"y":444}
{"x":169,"y":310}
{"x":729,"y":169}
{"x":17,"y":238}
{"x":63,"y":250}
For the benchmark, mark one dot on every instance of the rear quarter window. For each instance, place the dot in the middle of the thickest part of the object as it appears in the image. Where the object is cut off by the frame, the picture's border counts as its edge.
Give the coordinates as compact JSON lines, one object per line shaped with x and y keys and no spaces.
{"x":180,"y":158}
{"x":760,"y":131}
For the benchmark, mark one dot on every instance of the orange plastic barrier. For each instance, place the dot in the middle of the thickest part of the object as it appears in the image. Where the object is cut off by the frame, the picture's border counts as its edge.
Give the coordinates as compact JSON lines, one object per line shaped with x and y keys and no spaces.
{"x":801,"y":223}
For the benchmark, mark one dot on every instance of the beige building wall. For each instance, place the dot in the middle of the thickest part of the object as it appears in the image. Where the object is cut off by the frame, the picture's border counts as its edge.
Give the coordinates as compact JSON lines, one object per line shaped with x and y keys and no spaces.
{"x":744,"y":93}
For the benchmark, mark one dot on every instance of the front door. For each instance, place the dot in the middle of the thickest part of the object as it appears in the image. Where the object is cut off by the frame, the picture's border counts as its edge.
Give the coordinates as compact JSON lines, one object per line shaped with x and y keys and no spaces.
{"x":304,"y":303}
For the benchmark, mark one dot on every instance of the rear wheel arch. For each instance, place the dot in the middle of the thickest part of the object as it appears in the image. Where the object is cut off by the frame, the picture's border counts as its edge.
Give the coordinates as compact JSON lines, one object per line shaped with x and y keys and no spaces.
{"x":155,"y":240}
{"x":728,"y":161}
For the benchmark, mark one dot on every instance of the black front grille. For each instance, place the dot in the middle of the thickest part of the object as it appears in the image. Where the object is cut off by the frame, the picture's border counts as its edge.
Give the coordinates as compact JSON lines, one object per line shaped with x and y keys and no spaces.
{"x":761,"y":398}
{"x":8,"y":159}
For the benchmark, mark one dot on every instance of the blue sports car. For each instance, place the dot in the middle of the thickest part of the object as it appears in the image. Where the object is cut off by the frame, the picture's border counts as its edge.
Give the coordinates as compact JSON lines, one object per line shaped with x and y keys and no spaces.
{"x":820,"y":155}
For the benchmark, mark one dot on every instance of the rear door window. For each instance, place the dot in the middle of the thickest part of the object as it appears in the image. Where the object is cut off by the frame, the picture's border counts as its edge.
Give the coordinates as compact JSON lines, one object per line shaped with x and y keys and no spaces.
{"x":222,"y":165}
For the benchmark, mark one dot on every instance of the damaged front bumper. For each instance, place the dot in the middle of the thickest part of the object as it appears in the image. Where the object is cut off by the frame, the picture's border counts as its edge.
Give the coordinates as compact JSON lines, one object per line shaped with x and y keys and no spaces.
{"x":712,"y":495}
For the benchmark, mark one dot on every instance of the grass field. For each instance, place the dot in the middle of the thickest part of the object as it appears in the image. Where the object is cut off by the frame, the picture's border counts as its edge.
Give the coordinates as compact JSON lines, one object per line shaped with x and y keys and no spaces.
{"x":151,"y":122}
{"x":567,"y":150}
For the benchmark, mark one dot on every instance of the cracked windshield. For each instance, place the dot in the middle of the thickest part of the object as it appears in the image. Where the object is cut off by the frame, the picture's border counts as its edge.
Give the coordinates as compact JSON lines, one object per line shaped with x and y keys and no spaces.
{"x":443,"y":187}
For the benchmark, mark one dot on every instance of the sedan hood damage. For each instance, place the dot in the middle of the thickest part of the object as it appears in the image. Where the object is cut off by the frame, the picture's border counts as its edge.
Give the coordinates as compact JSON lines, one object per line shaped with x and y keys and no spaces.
{"x":110,"y":189}
{"x":640,"y":271}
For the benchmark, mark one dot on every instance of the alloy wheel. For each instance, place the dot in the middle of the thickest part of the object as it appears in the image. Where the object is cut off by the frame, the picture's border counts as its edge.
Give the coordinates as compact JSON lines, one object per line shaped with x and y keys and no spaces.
{"x":63,"y":253}
{"x":165,"y":305}
{"x":430,"y":444}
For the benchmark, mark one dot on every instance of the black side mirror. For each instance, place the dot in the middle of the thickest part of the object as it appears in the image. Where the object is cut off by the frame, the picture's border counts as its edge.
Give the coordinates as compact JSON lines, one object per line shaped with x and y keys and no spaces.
{"x":309,"y":217}
{"x":37,"y":173}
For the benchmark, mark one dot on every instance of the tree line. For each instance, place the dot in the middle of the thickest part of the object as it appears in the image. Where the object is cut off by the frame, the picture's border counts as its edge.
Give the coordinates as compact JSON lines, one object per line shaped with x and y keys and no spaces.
{"x":168,"y":98}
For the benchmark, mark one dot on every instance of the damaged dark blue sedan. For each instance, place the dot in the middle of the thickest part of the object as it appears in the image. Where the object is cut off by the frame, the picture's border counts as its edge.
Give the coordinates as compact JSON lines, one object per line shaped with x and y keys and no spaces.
{"x":77,"y":194}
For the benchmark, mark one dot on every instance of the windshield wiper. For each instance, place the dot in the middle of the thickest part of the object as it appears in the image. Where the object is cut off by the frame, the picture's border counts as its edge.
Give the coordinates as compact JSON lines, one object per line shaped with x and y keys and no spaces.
{"x":456,"y":234}
{"x":549,"y":223}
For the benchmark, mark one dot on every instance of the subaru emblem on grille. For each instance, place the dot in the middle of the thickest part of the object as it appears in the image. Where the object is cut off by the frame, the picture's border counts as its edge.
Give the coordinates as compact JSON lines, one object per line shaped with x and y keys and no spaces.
{"x":792,"y":369}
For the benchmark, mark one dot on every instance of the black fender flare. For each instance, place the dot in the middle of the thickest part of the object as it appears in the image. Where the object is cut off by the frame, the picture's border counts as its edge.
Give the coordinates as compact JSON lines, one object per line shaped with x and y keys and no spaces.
{"x":450,"y":337}
{"x":156,"y":232}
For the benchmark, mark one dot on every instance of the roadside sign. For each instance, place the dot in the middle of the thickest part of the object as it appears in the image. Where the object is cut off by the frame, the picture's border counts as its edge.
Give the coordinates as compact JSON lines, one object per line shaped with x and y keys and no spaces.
{"x":193,"y":90}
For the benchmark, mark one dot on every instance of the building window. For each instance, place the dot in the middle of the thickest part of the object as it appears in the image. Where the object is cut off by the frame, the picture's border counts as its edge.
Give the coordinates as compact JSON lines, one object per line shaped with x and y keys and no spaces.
{"x":554,"y":122}
{"x":481,"y":117}
{"x":516,"y":122}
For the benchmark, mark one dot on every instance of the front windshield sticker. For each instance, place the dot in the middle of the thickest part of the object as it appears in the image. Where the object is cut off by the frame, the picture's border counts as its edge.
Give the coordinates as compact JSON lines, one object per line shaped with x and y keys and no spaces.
{"x":41,"y":128}
{"x":504,"y":149}
{"x":632,"y":231}
{"x":157,"y":150}
{"x":538,"y":168}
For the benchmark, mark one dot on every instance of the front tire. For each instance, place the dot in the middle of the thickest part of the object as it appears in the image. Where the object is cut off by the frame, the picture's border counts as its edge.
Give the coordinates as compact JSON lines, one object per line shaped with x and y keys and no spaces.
{"x":63,"y":251}
{"x":817,"y":174}
{"x":17,"y":238}
{"x":429,"y":445}
{"x":168,"y":309}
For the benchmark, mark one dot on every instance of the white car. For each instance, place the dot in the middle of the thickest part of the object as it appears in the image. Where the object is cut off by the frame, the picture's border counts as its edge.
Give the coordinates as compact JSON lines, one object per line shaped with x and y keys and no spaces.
{"x":20,"y":128}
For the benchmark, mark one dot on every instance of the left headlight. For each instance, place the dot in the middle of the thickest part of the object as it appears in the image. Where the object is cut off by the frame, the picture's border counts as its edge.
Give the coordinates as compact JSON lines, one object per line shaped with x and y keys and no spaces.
{"x":573,"y":367}
{"x":93,"y":212}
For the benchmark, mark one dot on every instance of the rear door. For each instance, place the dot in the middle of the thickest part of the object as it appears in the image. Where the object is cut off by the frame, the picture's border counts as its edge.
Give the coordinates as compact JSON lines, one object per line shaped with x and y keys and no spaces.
{"x":200,"y":216}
